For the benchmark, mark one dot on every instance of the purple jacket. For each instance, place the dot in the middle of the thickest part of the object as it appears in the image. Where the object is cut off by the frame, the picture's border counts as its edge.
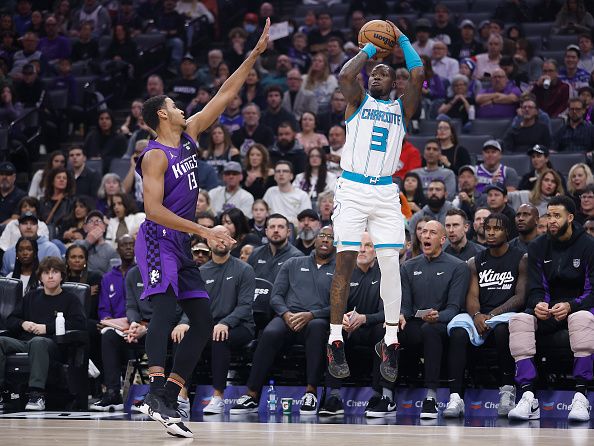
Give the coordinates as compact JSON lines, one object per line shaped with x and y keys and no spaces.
{"x":112,"y":295}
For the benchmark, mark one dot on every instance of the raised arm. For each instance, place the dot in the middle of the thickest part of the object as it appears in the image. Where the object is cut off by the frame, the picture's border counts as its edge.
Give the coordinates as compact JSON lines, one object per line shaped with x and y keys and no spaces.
{"x":348,"y":83}
{"x":211,"y":112}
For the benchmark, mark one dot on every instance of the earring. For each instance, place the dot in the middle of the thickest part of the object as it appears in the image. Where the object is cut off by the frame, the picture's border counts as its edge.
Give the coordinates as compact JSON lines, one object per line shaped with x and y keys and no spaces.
{"x":85,"y":265}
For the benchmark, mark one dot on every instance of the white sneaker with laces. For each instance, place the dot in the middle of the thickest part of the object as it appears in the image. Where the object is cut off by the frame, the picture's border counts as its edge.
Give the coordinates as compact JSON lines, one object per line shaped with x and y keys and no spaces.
{"x":216,"y":406}
{"x":183,"y":407}
{"x":309,"y":405}
{"x":35,"y":403}
{"x":526,"y":409}
{"x":580,"y":408}
{"x":455,"y":407}
{"x":507,"y":400}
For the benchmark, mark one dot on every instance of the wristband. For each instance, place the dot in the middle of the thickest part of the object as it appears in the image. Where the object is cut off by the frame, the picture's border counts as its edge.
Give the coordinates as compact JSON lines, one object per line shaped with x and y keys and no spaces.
{"x":369,"y":49}
{"x":411,"y":57}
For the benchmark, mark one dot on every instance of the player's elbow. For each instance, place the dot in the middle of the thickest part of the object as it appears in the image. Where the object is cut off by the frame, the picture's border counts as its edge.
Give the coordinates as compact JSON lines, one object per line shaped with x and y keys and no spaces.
{"x":417,"y":76}
{"x":151,"y":211}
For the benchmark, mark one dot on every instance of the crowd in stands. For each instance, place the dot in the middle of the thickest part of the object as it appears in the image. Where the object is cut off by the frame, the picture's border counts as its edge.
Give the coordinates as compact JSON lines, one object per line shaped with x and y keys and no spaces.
{"x":496,"y":163}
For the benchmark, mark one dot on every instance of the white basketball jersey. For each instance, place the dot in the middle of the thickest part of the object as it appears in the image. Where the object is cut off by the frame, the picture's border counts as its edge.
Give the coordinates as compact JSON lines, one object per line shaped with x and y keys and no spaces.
{"x":374,"y":135}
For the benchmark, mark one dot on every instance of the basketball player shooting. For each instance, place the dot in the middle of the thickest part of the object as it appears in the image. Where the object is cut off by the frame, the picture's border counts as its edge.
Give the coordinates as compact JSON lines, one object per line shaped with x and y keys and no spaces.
{"x":169,"y":170}
{"x":365,"y":197}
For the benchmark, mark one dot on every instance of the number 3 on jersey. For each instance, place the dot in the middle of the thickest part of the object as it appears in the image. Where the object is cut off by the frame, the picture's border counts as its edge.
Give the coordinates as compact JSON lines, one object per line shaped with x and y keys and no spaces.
{"x":379,"y":139}
{"x":192,"y":180}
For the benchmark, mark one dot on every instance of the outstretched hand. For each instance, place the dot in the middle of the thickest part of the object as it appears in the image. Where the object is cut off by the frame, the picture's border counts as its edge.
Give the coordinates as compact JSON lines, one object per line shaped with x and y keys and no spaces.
{"x":218,"y":236}
{"x":263,"y":42}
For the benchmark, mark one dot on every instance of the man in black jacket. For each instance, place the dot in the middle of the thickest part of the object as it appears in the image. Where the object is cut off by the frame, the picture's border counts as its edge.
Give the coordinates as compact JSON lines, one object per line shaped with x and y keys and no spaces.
{"x":33,"y":322}
{"x":560,"y":299}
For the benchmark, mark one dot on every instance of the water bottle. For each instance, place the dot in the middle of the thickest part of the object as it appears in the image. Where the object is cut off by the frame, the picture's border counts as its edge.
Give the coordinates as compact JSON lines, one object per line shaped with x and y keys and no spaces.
{"x":60,"y":324}
{"x":471,"y":113}
{"x":271,"y":397}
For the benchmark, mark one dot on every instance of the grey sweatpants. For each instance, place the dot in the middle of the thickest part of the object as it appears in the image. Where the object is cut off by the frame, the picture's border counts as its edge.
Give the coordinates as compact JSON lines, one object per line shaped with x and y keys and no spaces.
{"x":41,"y":350}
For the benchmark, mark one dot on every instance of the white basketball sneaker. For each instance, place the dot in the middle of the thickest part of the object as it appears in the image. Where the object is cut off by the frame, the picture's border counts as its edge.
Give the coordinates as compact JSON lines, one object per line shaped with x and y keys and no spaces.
{"x":580,"y":408}
{"x":526,"y":409}
{"x":455,"y":407}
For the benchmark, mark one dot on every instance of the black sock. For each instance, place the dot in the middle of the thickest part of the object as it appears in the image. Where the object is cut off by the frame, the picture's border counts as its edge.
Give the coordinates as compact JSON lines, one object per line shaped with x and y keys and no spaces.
{"x":581,"y":388}
{"x":172,"y":390}
{"x":157,"y":381}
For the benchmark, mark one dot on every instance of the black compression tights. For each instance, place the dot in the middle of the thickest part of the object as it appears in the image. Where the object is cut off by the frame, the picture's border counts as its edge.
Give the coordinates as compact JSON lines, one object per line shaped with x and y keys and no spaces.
{"x":162,"y":322}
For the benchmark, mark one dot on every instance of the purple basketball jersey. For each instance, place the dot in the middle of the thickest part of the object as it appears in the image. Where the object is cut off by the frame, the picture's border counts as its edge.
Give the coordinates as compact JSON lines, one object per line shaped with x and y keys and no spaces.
{"x":163,"y":254}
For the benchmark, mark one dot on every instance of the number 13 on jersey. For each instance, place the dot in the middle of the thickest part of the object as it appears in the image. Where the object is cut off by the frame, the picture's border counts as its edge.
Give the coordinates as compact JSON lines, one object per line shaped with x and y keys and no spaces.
{"x":379,"y":139}
{"x":192,"y":181}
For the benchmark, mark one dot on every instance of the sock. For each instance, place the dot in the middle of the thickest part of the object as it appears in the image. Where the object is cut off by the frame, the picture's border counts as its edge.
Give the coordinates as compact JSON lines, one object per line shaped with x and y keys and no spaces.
{"x":335,"y":333}
{"x":335,"y":392}
{"x":172,"y":389}
{"x":157,"y":381}
{"x":432,"y":393}
{"x":391,"y":336}
{"x":581,"y":388}
{"x":387,"y":392}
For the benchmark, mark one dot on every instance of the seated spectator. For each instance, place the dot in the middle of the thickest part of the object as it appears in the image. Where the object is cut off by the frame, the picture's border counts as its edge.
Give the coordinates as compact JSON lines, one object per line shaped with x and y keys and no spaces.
{"x":486,"y":300}
{"x":513,"y":72}
{"x":578,"y":178}
{"x":86,"y":46}
{"x":278,"y":76}
{"x":337,"y":139}
{"x":576,"y":135}
{"x":202,"y":98}
{"x":26,"y":264}
{"x":413,"y":191}
{"x":573,"y":18}
{"x":11,"y":232}
{"x":54,"y":160}
{"x":300,"y":298}
{"x":586,"y":209}
{"x":559,"y":269}
{"x":453,"y":155}
{"x":252,"y":130}
{"x":126,"y":218}
{"x":325,"y":207}
{"x":231,"y":118}
{"x":230,"y":284}
{"x":287,"y":147}
{"x":172,"y":24}
{"x":551,"y":94}
{"x":468,"y":198}
{"x":526,"y":60}
{"x":154,"y":86}
{"x":259,"y":176}
{"x":497,"y":203}
{"x":548,"y":185}
{"x":445,"y":300}
{"x":97,"y":15}
{"x":526,"y":224}
{"x":100,"y":251}
{"x":500,"y":100}
{"x":200,"y":252}
{"x":436,"y":208}
{"x":77,"y":270}
{"x":237,"y":51}
{"x":297,"y":52}
{"x":487,"y":63}
{"x":319,"y":81}
{"x":433,"y":87}
{"x":203,"y":203}
{"x":460,"y":102}
{"x":10,"y":108}
{"x":32,"y":323}
{"x":434,"y":171}
{"x":318,"y":38}
{"x":111,"y":184}
{"x":87,"y":179}
{"x":308,"y":137}
{"x":586,"y":56}
{"x":296,"y":100}
{"x":336,"y":56}
{"x":275,"y":114}
{"x":10,"y":194}
{"x":122,"y":51}
{"x":529,"y":133}
{"x":184,"y":88}
{"x":571,"y":74}
{"x":307,"y":231}
{"x":335,"y":116}
{"x":220,"y":150}
{"x":586,"y":94}
{"x":231,"y":195}
{"x":423,"y":44}
{"x":238,"y":226}
{"x":315,"y":179}
{"x":252,"y":92}
{"x":24,"y":57}
{"x":492,"y":171}
{"x":58,"y":199}
{"x":54,"y":46}
{"x":260,"y":213}
{"x":466,"y":68}
{"x":444,"y":66}
{"x":130,"y":125}
{"x":104,"y":142}
{"x":539,"y":160}
{"x":456,"y":226}
{"x":467,"y":45}
{"x":284,"y":198}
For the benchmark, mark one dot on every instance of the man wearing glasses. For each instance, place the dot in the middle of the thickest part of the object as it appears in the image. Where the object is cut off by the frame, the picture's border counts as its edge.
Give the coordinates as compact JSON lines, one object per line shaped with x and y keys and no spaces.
{"x":500,"y":100}
{"x":577,"y":135}
{"x":284,"y":198}
{"x":586,"y":210}
{"x":530,"y":131}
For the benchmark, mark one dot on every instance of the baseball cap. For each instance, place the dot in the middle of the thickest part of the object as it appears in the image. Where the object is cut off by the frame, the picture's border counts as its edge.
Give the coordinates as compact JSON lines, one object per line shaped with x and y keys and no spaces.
{"x":484,"y":23}
{"x":466,"y":22}
{"x":538,"y":148}
{"x":422,"y":24}
{"x":95,"y":213}
{"x":26,"y":216}
{"x":7,"y":167}
{"x":189,"y":57}
{"x":308,"y":213}
{"x":493,"y":143}
{"x":466,"y":167}
{"x":232,"y":166}
{"x":496,"y":186}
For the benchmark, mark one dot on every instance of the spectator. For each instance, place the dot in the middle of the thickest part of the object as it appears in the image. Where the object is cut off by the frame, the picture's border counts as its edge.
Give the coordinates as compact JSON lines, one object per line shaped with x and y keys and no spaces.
{"x":467,"y":67}
{"x":336,"y":56}
{"x":436,"y":208}
{"x":586,"y":62}
{"x":526,"y":221}
{"x":433,"y":170}
{"x":252,"y":92}
{"x":586,"y":94}
{"x":468,"y":197}
{"x":231,"y":194}
{"x":492,"y":171}
{"x":259,"y":175}
{"x":284,"y":198}
{"x":86,"y":46}
{"x":526,"y":60}
{"x":96,"y":15}
{"x":315,"y":179}
{"x":104,"y":142}
{"x":100,"y":252}
{"x":110,"y":185}
{"x":489,"y":62}
{"x":154,"y":86}
{"x":456,"y":226}
{"x":478,"y":225}
{"x":287,"y":147}
{"x":126,"y":219}
{"x":260,"y":213}
{"x":200,"y":252}
{"x":512,"y":71}
{"x":444,"y":66}
{"x":122,"y":51}
{"x":237,"y":51}
{"x":10,"y":108}
{"x":131,"y":124}
{"x":499,"y":100}
{"x":54,"y":46}
{"x":571,"y":74}
{"x":58,"y":200}
{"x":308,"y":137}
{"x":307,"y":231}
{"x":202,"y":98}
{"x":302,"y":310}
{"x":551,"y":94}
{"x":497,"y":202}
{"x":231,"y":118}
{"x":296,"y":100}
{"x":172,"y":24}
{"x":318,"y":38}
{"x":275,"y":113}
{"x":423,"y":45}
{"x":237,"y":224}
{"x":529,"y":133}
{"x":433,"y":87}
{"x":29,"y":90}
{"x":548,"y":185}
{"x":27,"y":55}
{"x":221,"y":75}
{"x":336,"y":141}
{"x":231,"y":306}
{"x":22,"y":18}
{"x":573,"y":18}
{"x":87,"y":179}
{"x":252,"y":130}
{"x":278,"y":76}
{"x":556,"y":298}
{"x":442,"y":294}
{"x":413,"y":191}
{"x":460,"y":103}
{"x":576,"y":135}
{"x":443,"y":30}
{"x":486,"y":301}
{"x":10,"y":195}
{"x":453,"y":156}
{"x":207,"y":74}
{"x":300,"y":58}
{"x":579,"y":177}
{"x":203,"y":203}
{"x":26,"y":264}
{"x":325,"y":207}
{"x":320,"y":81}
{"x":539,"y":160}
{"x":335,"y":116}
{"x":11,"y":232}
{"x":220,"y":150}
{"x":71,"y":226}
{"x":33,"y":322}
{"x":466,"y":45}
{"x":55,"y":159}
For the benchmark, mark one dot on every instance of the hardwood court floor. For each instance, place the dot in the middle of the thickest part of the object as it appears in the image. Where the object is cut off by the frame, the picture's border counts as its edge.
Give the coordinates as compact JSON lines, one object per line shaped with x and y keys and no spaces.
{"x":44,"y":432}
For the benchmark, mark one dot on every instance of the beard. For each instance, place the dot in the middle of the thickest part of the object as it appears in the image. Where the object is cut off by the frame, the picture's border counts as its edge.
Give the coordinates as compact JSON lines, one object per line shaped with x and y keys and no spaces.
{"x":436,"y":203}
{"x":221,"y":252}
{"x":307,"y":234}
{"x":278,"y":242}
{"x":526,"y":230}
{"x":285,"y":146}
{"x":561,"y":232}
{"x":324,"y":255}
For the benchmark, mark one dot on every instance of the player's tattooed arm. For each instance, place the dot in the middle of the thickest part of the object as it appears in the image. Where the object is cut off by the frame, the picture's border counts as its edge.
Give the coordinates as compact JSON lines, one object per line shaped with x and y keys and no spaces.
{"x":349,"y":85}
{"x":518,"y":301}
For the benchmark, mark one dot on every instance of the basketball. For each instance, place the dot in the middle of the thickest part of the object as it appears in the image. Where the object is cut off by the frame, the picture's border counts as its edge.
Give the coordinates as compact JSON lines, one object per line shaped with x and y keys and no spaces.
{"x":381,"y":34}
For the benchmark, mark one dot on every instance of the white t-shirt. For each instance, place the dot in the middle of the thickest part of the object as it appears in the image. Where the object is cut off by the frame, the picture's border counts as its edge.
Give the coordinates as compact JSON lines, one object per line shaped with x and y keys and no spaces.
{"x":288,"y":204}
{"x":241,"y":199}
{"x":24,"y":279}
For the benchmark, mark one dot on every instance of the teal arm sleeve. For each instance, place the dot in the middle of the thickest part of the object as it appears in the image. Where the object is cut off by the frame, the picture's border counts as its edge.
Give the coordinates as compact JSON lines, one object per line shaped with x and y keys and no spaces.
{"x":410,"y":55}
{"x":370,"y":50}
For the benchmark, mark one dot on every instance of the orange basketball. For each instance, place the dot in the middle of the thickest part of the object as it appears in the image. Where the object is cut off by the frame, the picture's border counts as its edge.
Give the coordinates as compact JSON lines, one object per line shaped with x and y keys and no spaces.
{"x":381,"y":34}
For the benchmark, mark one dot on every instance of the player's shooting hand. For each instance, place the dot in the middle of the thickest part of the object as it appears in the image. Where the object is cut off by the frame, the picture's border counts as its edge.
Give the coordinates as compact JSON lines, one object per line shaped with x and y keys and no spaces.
{"x":397,"y":32}
{"x":263,"y":42}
